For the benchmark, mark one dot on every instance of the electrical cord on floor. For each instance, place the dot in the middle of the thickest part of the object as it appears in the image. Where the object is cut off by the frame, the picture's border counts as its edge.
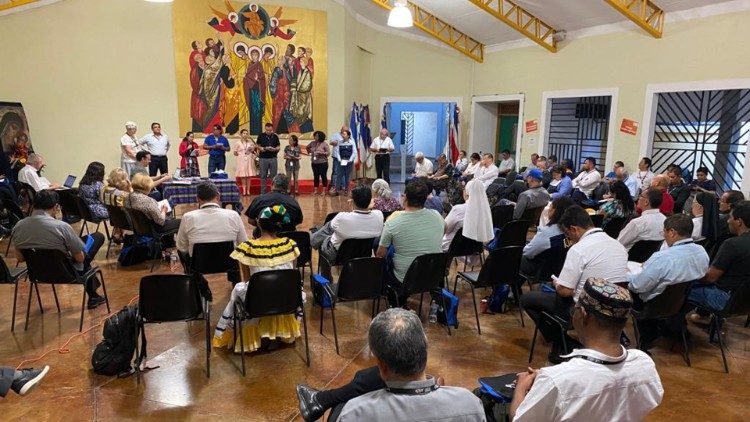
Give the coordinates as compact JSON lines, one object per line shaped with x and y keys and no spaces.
{"x":64,"y":348}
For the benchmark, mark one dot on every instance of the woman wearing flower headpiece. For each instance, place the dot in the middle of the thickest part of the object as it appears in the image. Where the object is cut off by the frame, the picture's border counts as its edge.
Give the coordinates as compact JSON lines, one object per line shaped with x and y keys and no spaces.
{"x":266,"y":253}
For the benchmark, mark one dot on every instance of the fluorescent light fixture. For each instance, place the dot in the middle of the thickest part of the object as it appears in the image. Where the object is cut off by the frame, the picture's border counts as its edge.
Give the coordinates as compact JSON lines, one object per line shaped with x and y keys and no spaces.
{"x":400,"y":16}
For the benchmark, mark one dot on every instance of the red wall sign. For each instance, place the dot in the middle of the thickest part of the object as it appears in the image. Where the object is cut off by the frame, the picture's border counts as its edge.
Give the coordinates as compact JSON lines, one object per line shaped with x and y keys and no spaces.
{"x":532,"y":126}
{"x":629,"y":126}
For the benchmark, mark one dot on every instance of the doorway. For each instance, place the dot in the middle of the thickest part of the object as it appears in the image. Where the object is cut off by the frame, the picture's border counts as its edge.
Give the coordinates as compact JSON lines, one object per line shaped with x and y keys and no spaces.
{"x":495,"y":121}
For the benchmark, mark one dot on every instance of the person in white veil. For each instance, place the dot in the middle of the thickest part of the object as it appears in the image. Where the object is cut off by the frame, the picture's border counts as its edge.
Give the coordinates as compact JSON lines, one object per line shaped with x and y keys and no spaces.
{"x":474,"y":216}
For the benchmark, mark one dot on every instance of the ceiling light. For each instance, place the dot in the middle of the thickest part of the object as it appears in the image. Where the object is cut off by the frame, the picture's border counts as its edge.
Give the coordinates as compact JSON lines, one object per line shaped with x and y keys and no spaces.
{"x":400,"y":16}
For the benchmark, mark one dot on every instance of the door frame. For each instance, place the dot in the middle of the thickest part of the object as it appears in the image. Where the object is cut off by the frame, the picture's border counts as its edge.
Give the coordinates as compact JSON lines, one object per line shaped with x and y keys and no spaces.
{"x":499,"y":98}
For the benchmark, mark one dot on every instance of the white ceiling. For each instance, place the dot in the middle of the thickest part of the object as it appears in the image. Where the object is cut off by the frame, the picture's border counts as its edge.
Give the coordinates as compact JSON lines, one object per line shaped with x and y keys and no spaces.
{"x":569,"y":15}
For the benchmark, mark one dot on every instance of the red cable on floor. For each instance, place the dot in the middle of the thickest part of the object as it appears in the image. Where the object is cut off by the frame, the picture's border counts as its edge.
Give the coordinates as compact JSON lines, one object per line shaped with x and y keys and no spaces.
{"x":64,"y":348}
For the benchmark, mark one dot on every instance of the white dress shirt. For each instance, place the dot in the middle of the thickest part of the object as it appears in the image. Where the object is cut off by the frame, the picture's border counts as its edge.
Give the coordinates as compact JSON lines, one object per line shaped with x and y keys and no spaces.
{"x":486,"y":174}
{"x":649,"y":226}
{"x":632,"y":185}
{"x":156,"y":145}
{"x":587,"y":181}
{"x":336,"y":137}
{"x":424,"y":169}
{"x":506,"y":165}
{"x":28,"y":174}
{"x":356,"y":225}
{"x":594,"y":255}
{"x":378,"y":143}
{"x":473,"y":167}
{"x":644,"y":179}
{"x":210,"y":223}
{"x":627,"y":388}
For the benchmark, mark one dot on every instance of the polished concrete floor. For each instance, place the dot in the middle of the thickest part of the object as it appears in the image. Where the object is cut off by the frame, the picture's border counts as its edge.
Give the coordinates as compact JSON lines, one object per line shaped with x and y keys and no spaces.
{"x":179,"y":389}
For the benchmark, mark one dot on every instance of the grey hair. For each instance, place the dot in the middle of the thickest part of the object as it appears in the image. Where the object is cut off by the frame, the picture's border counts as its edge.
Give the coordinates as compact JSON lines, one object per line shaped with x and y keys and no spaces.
{"x":381,"y":188}
{"x":34,"y":158}
{"x":130,"y":125}
{"x":420,"y":154}
{"x":280,"y":183}
{"x":397,"y":339}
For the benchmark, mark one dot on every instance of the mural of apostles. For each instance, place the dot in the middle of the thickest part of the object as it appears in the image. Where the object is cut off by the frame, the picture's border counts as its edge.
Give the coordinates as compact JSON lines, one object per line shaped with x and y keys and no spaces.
{"x":246,"y":83}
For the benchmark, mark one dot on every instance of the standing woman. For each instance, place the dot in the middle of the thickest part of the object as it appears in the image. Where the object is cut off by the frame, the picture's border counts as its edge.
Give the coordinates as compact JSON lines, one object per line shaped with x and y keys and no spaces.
{"x":245,"y":153}
{"x":189,"y":151}
{"x":129,"y":146}
{"x":347,"y":157}
{"x":319,"y":152}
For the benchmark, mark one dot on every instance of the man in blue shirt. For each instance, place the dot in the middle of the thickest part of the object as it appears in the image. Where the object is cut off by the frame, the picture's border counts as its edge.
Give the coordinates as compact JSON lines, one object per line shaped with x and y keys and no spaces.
{"x":217,"y":146}
{"x":682,"y":262}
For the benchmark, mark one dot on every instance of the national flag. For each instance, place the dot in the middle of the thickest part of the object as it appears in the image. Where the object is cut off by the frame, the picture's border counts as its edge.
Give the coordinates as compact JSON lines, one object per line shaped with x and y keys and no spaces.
{"x":451,"y":144}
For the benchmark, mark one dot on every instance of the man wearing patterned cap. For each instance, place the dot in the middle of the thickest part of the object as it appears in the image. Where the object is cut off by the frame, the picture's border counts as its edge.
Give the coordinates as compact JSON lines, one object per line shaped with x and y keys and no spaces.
{"x":603,"y":380}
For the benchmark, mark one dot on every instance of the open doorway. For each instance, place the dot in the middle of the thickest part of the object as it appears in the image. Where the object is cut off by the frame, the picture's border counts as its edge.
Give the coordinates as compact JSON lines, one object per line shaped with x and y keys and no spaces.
{"x":495,"y":124}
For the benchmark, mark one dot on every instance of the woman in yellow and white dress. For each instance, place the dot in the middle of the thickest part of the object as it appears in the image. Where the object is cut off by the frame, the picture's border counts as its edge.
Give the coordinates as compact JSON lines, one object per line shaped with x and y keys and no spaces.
{"x":266,"y":253}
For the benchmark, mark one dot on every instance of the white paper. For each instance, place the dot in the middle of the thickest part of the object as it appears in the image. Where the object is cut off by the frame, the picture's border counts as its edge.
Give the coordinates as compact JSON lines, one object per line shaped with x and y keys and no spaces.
{"x":344,"y":162}
{"x":164,"y":202}
{"x":635,"y":267}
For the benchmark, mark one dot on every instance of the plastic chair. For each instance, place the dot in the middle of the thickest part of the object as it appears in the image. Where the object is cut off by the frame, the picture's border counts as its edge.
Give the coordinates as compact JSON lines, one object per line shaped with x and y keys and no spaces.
{"x":501,"y":215}
{"x":15,"y":214}
{"x":88,"y":217}
{"x":614,"y":226}
{"x":269,"y":293}
{"x":30,"y":195}
{"x":463,"y":246}
{"x":302,"y":239}
{"x":666,"y":305}
{"x":213,"y":258}
{"x":502,"y":267}
{"x":643,"y":249}
{"x":360,"y":279}
{"x":560,"y":324}
{"x":169,"y":298}
{"x":50,"y":266}
{"x":70,"y":212}
{"x":143,"y":226}
{"x":738,"y":305}
{"x":118,"y":219}
{"x":532,"y":215}
{"x":349,"y":249}
{"x":514,"y":234}
{"x":329,"y":217}
{"x":550,"y":263}
{"x":426,"y":274}
{"x":13,"y":276}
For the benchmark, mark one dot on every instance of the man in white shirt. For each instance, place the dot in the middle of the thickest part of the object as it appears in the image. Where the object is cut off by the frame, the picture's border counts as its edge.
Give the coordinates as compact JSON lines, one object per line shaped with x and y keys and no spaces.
{"x":157,"y":144}
{"x":487,"y":171}
{"x":594,"y":254}
{"x":423,"y":167}
{"x":533,"y":164}
{"x":588,"y":179}
{"x":382,"y":147}
{"x":649,"y":226}
{"x":632,"y":184}
{"x":29,"y":174}
{"x":506,"y":163}
{"x":360,"y":223}
{"x":209,"y":223}
{"x":644,"y":175}
{"x":603,"y":381}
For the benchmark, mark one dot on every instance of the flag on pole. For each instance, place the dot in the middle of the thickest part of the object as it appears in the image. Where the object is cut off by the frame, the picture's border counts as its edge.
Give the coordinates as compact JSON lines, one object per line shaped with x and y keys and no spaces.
{"x":451,"y":144}
{"x":385,"y":115}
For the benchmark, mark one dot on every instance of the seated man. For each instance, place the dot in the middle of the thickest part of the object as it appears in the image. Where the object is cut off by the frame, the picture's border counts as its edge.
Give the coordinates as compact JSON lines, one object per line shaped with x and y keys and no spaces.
{"x":397,"y":389}
{"x":630,"y":181}
{"x":602,"y":381}
{"x":209,"y":223}
{"x":442,"y":175}
{"x":585,"y":183}
{"x":42,"y":230}
{"x":594,"y":254}
{"x":561,"y":185}
{"x":416,"y":231}
{"x":541,"y":164}
{"x":649,"y":225}
{"x":22,"y":381}
{"x":29,"y":174}
{"x":506,"y":163}
{"x":360,"y":223}
{"x":487,"y":171}
{"x":682,"y":262}
{"x":678,"y":189}
{"x":423,"y":167}
{"x":661,"y":183}
{"x":727,"y":201}
{"x":277,"y":196}
{"x":731,"y":265}
{"x":142,"y":162}
{"x":533,"y":197}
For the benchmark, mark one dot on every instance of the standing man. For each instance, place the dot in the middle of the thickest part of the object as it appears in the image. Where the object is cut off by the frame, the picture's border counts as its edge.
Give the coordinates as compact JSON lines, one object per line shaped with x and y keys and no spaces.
{"x":217,"y":146}
{"x":268,"y":148}
{"x":506,"y":164}
{"x":157,"y":144}
{"x":678,"y":189}
{"x":382,"y":146}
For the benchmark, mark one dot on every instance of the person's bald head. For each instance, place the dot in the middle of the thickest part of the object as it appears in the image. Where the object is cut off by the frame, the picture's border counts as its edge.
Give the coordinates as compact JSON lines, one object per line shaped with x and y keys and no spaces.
{"x":660,"y":182}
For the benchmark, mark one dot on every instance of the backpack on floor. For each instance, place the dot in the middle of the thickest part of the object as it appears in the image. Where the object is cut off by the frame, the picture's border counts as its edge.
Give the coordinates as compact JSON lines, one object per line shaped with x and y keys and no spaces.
{"x":114,"y":354}
{"x":496,"y":301}
{"x":137,"y":250}
{"x":451,"y":302}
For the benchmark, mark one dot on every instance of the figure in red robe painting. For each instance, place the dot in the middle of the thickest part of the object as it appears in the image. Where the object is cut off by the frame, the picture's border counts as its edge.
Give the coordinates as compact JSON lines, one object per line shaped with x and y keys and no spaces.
{"x":197,"y":105}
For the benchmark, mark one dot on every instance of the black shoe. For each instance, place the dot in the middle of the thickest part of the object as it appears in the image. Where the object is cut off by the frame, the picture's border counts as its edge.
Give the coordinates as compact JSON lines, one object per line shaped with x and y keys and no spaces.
{"x":29,"y":379}
{"x":95,"y":301}
{"x":309,"y":408}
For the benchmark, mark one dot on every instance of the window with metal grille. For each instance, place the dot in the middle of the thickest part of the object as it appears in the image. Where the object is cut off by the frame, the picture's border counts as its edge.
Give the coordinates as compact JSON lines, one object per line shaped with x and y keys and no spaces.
{"x":578,"y":129}
{"x":703,"y":129}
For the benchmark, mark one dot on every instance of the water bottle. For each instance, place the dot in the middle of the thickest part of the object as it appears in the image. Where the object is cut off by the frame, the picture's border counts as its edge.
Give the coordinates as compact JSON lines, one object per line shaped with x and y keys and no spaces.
{"x":173,"y":261}
{"x":433,"y":311}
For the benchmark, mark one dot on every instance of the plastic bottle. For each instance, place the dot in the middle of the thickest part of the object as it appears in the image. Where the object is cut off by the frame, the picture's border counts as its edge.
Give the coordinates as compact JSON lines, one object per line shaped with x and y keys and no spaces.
{"x":433,"y":311}
{"x":173,"y":261}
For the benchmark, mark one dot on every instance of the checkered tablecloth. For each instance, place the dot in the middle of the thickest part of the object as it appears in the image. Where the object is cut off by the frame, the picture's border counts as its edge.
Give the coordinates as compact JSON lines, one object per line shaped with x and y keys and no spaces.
{"x":185,"y":194}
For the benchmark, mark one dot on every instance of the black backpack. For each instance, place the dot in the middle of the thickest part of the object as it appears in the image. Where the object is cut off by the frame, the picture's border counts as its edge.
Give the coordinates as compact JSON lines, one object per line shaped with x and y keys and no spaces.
{"x":114,"y":355}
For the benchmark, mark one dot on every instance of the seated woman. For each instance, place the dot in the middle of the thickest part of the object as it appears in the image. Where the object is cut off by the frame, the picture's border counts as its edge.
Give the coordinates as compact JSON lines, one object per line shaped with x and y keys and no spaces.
{"x":90,"y":190}
{"x":118,"y":188}
{"x":382,"y":197}
{"x":474,"y":216}
{"x":705,"y":211}
{"x":621,"y":204}
{"x":546,"y":237}
{"x":139,"y":200}
{"x":471,"y":168}
{"x":702,"y":183}
{"x":266,"y":253}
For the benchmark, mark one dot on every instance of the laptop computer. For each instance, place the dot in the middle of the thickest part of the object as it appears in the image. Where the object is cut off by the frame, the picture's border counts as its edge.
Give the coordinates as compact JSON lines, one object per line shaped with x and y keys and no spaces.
{"x":68,"y":182}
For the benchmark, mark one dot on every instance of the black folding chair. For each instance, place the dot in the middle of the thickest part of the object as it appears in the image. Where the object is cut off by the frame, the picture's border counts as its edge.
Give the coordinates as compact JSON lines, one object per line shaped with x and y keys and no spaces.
{"x":68,"y":206}
{"x":118,"y":219}
{"x":302,"y":239}
{"x":386,"y":214}
{"x":550,"y":263}
{"x":15,"y":214}
{"x":514,"y":234}
{"x":501,"y":267}
{"x":360,"y":279}
{"x":666,"y":306}
{"x":614,"y":226}
{"x":214,"y":258}
{"x":269,"y":293}
{"x":532,"y":215}
{"x":738,"y":305}
{"x":25,"y":189}
{"x":169,"y":298}
{"x":50,"y":266}
{"x":329,"y":217}
{"x":462,"y":246}
{"x":88,"y":217}
{"x":643,"y":249}
{"x":553,"y":321}
{"x":426,"y":274}
{"x":349,"y":249}
{"x":14,"y":276}
{"x":143,"y":226}
{"x":501,"y":215}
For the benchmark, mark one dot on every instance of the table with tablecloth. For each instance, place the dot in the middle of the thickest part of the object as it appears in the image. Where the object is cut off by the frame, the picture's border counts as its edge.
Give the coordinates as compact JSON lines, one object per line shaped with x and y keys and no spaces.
{"x":183,"y":193}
